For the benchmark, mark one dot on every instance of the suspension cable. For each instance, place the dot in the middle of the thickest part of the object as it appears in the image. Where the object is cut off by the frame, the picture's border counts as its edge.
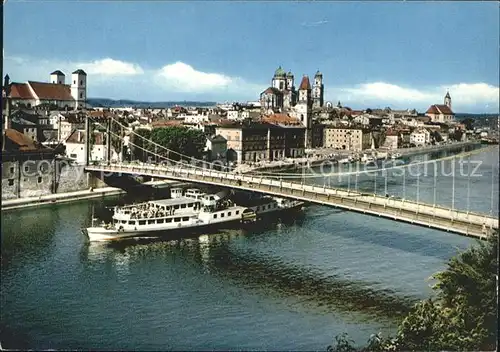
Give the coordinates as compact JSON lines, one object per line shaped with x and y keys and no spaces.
{"x":165,"y":148}
{"x":277,"y":174}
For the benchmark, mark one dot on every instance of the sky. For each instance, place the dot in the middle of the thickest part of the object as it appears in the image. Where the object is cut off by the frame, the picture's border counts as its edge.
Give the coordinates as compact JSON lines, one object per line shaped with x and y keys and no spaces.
{"x":372,"y":55}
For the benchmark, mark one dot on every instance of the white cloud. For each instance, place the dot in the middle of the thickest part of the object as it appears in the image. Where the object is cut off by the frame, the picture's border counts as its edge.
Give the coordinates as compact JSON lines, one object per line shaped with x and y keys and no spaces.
{"x":184,"y":78}
{"x":474,"y":93}
{"x":465,"y":96}
{"x":387,"y":91}
{"x":110,"y":67}
{"x":116,"y":79}
{"x":313,"y":24}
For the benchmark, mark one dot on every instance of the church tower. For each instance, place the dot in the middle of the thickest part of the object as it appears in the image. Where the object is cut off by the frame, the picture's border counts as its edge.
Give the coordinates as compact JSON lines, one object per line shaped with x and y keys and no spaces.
{"x":57,"y":77}
{"x":303,"y":108}
{"x":318,"y":90}
{"x":447,"y":100}
{"x":79,"y":88}
{"x":279,"y":79}
{"x":289,"y":93}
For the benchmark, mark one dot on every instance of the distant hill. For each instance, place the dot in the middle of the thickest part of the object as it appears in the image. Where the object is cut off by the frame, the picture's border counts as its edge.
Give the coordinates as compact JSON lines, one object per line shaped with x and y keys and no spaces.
{"x":461,"y":116}
{"x":110,"y":103}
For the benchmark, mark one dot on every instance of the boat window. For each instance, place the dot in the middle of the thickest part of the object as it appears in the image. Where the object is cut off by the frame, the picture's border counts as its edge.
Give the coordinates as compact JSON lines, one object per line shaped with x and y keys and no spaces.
{"x":185,"y":218}
{"x":190,"y":205}
{"x":221,"y":215}
{"x":142,"y":222}
{"x":177,"y":219}
{"x":229,"y":214}
{"x":183,"y":206}
{"x":237,"y":212}
{"x":215,"y":216}
{"x":168,"y":220}
{"x":176,"y":206}
{"x":160,"y":221}
{"x":124,"y":222}
{"x":131,"y":222}
{"x":151,"y":222}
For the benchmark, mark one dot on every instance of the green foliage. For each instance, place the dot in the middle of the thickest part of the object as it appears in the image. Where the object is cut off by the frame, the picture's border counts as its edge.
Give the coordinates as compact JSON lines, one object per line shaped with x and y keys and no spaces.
{"x":178,"y":139}
{"x":137,"y":152}
{"x":181,"y":140}
{"x":462,"y":317}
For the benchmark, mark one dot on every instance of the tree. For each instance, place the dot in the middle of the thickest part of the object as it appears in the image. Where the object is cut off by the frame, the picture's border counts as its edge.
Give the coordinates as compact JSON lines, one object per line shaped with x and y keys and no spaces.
{"x":180,"y":140}
{"x":462,"y":317}
{"x":140,"y":146}
{"x":469,"y":123}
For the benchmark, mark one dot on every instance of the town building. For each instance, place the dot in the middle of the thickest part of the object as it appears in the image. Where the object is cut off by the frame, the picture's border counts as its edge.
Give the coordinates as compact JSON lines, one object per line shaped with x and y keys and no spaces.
{"x":26,"y":166}
{"x":275,"y":137}
{"x":420,"y":137}
{"x":56,"y":93}
{"x":392,"y":140}
{"x":354,"y":139}
{"x":75,"y":147}
{"x":441,"y":113}
{"x":216,"y":147}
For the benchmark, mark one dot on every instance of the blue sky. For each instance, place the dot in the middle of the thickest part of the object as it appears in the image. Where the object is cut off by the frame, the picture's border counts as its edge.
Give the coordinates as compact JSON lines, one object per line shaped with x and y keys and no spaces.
{"x":398,"y":54}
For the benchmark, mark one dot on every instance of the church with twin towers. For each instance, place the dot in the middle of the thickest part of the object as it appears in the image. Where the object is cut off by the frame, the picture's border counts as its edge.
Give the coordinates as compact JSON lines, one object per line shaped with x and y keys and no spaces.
{"x":283,"y":97}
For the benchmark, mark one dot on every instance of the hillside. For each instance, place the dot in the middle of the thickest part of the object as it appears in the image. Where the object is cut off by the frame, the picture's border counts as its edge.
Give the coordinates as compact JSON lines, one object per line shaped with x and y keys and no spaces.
{"x":110,"y":103}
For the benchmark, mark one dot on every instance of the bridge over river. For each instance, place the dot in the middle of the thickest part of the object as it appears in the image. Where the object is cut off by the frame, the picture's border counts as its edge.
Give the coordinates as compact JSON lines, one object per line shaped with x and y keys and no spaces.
{"x":399,"y":209}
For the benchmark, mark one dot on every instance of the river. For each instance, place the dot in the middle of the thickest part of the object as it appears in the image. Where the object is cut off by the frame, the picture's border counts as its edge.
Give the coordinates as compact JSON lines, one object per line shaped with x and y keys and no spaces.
{"x":291,"y":285}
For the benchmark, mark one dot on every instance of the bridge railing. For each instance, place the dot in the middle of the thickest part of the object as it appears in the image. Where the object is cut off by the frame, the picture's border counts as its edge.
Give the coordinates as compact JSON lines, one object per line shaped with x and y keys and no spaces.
{"x":370,"y":199}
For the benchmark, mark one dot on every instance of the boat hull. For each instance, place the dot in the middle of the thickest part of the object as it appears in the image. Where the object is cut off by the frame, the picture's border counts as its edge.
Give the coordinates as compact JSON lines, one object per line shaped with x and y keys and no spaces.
{"x":100,"y":234}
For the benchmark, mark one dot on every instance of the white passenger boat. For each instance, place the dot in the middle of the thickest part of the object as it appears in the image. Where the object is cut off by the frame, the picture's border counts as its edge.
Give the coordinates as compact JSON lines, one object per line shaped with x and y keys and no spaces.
{"x":181,"y":214}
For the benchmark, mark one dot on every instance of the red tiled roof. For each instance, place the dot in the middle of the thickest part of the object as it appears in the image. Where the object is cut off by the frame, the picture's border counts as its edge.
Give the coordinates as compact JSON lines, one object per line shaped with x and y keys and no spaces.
{"x":20,"y":91}
{"x":439,"y":109}
{"x":166,"y":123}
{"x":272,"y":90}
{"x":51,"y":91}
{"x":23,"y":142}
{"x":305,"y":84}
{"x":79,"y":138}
{"x":282,"y":119}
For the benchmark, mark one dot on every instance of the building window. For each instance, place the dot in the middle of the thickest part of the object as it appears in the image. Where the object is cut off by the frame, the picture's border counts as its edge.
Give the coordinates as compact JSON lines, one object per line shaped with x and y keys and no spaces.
{"x":11,"y":182}
{"x":81,"y":95}
{"x":81,"y":83}
{"x":12,"y":170}
{"x":39,"y":179}
{"x":26,"y":169}
{"x":74,"y":82}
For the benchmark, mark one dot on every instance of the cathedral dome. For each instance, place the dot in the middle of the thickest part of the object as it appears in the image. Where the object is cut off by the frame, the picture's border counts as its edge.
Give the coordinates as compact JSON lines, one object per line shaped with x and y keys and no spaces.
{"x":289,"y":74}
{"x":279,"y":72}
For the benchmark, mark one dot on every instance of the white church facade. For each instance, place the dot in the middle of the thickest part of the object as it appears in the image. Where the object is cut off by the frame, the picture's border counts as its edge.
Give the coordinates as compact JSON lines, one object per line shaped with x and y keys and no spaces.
{"x":282,"y":97}
{"x":56,"y":92}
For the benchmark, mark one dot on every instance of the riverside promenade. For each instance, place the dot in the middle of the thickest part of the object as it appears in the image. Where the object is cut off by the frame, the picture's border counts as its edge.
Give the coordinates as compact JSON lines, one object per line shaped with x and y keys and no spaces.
{"x":330,"y":155}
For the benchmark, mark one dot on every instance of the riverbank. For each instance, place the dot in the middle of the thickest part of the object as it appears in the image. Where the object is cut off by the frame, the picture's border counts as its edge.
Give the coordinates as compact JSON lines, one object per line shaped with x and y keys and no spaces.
{"x":298,"y":164}
{"x":90,"y":193}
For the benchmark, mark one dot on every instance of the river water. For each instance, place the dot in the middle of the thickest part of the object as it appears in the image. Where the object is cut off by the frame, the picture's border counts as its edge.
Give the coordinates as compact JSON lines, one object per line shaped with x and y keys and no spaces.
{"x":291,"y":285}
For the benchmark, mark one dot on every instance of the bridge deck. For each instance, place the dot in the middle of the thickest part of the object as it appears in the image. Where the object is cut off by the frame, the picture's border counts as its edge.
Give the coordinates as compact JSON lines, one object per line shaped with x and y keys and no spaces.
{"x":466,"y":223}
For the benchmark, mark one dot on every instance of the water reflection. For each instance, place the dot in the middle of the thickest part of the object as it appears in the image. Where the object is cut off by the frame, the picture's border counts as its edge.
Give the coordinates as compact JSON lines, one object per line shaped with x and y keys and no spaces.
{"x":27,"y":235}
{"x":215,"y":254}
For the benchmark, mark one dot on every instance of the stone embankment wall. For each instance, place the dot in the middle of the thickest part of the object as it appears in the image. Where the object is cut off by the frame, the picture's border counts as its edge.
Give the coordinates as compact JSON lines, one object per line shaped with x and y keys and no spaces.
{"x":35,"y":178}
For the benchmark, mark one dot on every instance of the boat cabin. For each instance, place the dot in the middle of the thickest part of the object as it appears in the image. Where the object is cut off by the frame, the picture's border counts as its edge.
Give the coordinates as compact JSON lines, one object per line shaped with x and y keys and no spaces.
{"x":194,"y":193}
{"x":175,"y":205}
{"x":176,"y":193}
